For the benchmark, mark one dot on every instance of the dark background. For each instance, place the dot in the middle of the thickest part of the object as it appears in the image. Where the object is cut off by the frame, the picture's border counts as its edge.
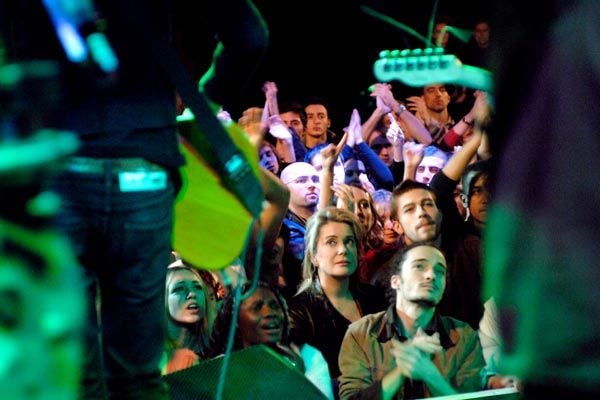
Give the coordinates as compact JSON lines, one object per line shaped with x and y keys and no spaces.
{"x":326,"y":48}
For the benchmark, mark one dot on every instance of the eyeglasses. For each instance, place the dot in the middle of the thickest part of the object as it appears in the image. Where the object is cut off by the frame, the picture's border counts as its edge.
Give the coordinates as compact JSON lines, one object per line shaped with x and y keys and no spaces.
{"x":304,"y":179}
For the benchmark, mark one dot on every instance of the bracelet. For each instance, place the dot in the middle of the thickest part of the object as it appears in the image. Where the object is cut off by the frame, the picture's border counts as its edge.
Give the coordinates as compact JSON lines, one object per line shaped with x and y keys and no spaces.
{"x":467,"y":122}
{"x":401,"y":109}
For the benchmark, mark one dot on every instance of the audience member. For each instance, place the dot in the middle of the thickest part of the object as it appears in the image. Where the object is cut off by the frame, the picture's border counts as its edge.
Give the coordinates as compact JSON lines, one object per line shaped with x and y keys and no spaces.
{"x":191,"y":305}
{"x":302,"y":180}
{"x":410,"y":350}
{"x":263,"y":319}
{"x":330,"y":298}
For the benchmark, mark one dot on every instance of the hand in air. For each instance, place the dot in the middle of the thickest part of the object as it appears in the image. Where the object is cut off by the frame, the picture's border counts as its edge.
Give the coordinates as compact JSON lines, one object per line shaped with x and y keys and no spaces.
{"x":416,"y":104}
{"x":278,"y":129}
{"x":413,"y":153}
{"x":394,"y":134}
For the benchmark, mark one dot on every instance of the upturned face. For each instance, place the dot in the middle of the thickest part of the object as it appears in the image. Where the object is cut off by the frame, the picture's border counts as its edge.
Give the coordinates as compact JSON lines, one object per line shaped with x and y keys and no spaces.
{"x":186,"y":297}
{"x":337,"y":251}
{"x":261,"y":318}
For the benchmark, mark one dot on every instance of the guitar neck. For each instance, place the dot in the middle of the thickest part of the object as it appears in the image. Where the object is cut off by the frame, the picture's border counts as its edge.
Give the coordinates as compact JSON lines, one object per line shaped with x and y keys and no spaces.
{"x":423,"y":70}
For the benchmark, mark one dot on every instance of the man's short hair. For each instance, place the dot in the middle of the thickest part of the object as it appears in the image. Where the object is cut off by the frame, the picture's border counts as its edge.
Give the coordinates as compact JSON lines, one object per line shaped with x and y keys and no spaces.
{"x":400,"y":257}
{"x":406,"y":186}
{"x":295,"y":108}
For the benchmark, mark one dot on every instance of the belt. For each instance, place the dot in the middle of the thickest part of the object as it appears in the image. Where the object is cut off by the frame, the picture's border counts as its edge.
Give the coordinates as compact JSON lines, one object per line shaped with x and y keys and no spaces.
{"x":88,"y":165}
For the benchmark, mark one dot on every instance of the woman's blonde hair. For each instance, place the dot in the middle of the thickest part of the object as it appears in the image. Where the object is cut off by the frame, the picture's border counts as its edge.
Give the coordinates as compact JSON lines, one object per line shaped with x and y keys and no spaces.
{"x":313,"y":232}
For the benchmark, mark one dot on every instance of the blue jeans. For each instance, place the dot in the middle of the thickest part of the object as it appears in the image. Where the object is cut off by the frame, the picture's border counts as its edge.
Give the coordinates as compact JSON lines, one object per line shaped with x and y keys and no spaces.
{"x":123,"y":243}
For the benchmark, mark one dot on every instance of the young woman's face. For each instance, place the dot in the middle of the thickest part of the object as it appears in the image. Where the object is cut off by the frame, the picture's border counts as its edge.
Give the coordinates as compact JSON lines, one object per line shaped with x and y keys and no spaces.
{"x":186,"y":297}
{"x":261,"y":318}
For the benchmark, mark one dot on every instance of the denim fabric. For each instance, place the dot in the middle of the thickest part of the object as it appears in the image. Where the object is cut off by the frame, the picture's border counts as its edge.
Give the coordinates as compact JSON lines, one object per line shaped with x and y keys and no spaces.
{"x":123,"y":243}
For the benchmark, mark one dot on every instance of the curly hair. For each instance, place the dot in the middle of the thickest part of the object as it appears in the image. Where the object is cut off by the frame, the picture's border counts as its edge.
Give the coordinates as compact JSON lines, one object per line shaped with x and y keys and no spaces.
{"x":222,"y":326}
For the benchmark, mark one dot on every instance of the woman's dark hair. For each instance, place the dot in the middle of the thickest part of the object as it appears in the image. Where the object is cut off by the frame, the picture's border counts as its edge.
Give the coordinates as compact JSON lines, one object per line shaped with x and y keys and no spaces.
{"x":222,"y":326}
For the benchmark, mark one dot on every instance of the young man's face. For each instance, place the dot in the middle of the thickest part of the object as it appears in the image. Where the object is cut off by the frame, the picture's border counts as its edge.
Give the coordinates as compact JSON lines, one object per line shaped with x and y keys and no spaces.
{"x":436,"y":97}
{"x":418,"y":216}
{"x":482,"y":34}
{"x":479,"y":200}
{"x":317,"y":120}
{"x":303,"y":183}
{"x":422,"y":278}
{"x":293,"y":120}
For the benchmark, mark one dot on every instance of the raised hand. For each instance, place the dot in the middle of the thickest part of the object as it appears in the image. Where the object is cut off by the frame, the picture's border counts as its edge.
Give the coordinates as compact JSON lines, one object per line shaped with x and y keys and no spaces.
{"x":331,"y":153}
{"x":413,"y":153}
{"x":355,"y":127}
{"x":416,"y":104}
{"x":394,"y":134}
{"x":345,"y":196}
{"x":383,"y":93}
{"x":278,"y":129}
{"x":252,"y":123}
{"x":270,"y":90}
{"x":366,"y":183}
{"x":380,"y":104}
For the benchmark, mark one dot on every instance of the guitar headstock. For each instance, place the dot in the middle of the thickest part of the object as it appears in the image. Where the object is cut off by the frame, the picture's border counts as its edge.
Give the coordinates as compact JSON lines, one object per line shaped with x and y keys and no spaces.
{"x":421,"y":67}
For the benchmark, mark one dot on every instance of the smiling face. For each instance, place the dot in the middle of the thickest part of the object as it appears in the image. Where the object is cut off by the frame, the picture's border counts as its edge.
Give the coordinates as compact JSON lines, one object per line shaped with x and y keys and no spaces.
{"x":337,"y":251}
{"x":186,"y":299}
{"x":261,"y":318}
{"x":422,"y":277}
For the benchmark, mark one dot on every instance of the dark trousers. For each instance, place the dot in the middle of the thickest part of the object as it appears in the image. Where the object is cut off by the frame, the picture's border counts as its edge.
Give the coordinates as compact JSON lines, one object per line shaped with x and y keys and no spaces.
{"x":123,"y":243}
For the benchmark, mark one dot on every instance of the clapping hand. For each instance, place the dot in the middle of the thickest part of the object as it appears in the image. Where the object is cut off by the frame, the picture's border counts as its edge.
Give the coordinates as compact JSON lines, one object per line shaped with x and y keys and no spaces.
{"x":413,"y":153}
{"x":394,"y":134}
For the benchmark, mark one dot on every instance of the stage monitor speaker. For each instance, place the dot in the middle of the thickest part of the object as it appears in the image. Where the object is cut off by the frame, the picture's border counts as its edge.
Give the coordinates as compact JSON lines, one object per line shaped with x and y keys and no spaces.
{"x":254,"y":373}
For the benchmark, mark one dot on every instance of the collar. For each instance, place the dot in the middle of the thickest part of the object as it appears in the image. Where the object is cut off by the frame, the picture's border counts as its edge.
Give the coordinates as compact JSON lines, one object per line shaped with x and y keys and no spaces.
{"x":292,"y":216}
{"x":392,"y":326}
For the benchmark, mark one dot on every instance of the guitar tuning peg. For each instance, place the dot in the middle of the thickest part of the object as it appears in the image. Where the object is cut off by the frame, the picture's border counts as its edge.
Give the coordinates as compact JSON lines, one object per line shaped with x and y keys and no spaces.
{"x":428,"y":51}
{"x":395,"y":53}
{"x":384,"y":54}
{"x":438,"y":51}
{"x":416,"y":52}
{"x":404,"y":52}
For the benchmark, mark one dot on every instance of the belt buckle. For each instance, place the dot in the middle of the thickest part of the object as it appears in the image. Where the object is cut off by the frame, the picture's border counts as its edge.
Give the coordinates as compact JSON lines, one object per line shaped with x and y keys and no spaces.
{"x":140,"y":181}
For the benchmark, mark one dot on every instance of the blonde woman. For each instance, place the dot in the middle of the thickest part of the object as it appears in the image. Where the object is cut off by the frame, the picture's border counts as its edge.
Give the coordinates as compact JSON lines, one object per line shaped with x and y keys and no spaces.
{"x":330,"y":298}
